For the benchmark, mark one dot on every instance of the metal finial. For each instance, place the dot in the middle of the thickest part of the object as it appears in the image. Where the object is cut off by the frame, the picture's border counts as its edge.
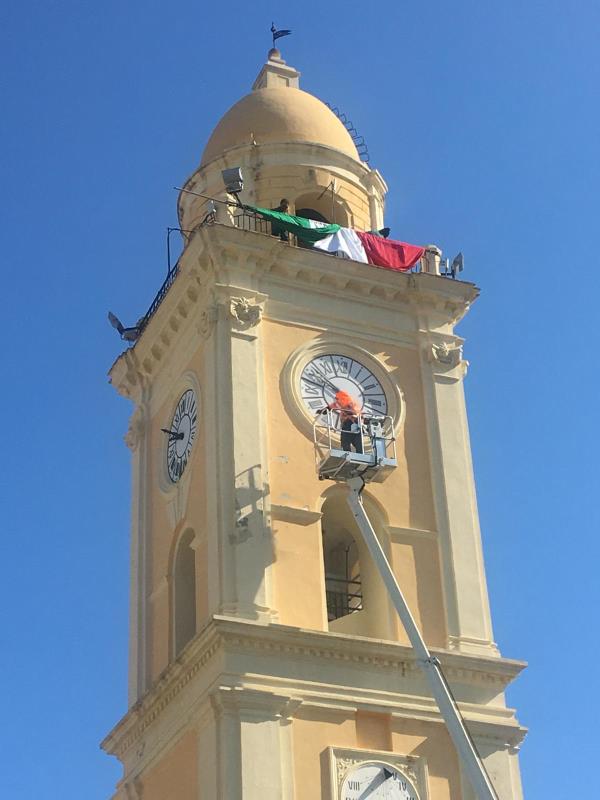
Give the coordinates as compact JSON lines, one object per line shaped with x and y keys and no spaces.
{"x":278,"y":34}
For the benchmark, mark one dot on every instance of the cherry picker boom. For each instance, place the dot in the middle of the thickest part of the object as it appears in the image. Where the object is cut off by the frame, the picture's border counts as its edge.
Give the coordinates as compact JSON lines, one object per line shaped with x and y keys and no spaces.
{"x":356,"y":469}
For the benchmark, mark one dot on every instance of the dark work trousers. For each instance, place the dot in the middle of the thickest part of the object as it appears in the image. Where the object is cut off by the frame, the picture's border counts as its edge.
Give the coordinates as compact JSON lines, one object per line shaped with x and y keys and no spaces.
{"x":349,"y":439}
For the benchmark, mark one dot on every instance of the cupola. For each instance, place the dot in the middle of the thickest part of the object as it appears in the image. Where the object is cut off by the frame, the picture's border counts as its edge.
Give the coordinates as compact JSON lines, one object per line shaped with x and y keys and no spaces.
{"x":289,"y":144}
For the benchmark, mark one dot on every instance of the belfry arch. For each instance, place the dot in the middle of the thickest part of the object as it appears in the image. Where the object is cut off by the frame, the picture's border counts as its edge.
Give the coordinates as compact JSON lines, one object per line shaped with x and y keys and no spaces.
{"x":322,"y":205}
{"x":184,"y":592}
{"x":355,"y":597}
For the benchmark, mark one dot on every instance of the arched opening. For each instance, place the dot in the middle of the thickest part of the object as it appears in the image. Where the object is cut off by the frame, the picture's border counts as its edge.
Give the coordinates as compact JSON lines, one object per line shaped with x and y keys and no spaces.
{"x":322,"y":206}
{"x":343,"y":587}
{"x":311,"y":213}
{"x":184,"y":592}
{"x":356,"y":597}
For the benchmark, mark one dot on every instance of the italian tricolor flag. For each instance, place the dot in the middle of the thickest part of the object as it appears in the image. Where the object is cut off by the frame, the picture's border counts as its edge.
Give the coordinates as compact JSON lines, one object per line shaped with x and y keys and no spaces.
{"x":357,"y":245}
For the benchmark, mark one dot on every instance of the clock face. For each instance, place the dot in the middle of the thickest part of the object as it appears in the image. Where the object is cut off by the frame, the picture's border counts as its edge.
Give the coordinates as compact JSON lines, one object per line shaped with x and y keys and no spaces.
{"x":375,"y":781}
{"x":327,"y":374}
{"x":182,"y":433}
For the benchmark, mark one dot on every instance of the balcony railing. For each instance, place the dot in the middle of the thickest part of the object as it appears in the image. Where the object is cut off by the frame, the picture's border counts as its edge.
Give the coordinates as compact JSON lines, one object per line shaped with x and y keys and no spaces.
{"x":344,"y":596}
{"x":160,"y":296}
{"x":247,"y":220}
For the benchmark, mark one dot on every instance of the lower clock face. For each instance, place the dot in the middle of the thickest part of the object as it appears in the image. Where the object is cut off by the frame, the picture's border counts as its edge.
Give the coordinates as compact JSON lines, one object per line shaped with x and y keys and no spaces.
{"x":182,"y":434}
{"x":327,"y":374}
{"x":375,"y":781}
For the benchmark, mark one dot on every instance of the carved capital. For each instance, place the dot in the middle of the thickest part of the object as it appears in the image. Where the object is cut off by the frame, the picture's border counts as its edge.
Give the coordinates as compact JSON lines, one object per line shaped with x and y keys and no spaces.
{"x":446,"y":355}
{"x":135,"y":431}
{"x":244,"y":314}
{"x":446,"y":360}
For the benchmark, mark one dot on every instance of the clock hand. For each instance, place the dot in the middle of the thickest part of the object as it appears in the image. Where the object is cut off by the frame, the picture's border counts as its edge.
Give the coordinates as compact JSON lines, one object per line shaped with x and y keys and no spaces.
{"x":323,"y":379}
{"x":377,"y":781}
{"x":173,"y":434}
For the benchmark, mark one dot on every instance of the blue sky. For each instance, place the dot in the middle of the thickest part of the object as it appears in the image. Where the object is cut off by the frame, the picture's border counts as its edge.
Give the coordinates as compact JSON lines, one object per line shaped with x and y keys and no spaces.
{"x":484,"y":120}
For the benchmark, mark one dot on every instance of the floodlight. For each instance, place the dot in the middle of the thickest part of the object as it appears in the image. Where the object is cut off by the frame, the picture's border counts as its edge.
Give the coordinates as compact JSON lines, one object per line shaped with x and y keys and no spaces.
{"x":115,"y":322}
{"x":233,"y":180}
{"x":131,"y":334}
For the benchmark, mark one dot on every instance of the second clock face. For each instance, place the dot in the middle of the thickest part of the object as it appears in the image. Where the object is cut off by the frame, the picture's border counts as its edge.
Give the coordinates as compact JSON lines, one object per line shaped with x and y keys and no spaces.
{"x":377,"y":782}
{"x":183,"y":432}
{"x":327,"y":374}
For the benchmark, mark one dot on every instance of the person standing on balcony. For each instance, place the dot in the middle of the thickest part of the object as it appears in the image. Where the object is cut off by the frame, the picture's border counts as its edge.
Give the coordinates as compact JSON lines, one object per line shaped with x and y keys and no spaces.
{"x":282,"y":208}
{"x":348,"y":410}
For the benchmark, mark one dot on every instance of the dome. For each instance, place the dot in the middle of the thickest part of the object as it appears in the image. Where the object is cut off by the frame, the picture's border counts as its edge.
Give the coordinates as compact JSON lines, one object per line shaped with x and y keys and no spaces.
{"x":278,"y":114}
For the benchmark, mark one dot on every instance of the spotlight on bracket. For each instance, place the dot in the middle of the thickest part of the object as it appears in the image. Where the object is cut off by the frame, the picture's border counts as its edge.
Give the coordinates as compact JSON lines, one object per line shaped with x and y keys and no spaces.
{"x":131,"y":334}
{"x":233,"y":180}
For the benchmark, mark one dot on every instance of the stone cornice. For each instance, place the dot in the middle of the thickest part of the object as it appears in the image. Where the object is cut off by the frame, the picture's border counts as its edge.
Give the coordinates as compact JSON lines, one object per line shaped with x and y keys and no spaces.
{"x":420,"y":292}
{"x":227,"y":634}
{"x":228,"y":255}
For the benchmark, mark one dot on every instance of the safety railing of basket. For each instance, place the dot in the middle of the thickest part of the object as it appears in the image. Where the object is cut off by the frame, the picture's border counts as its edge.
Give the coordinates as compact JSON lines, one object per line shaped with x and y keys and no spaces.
{"x":376,"y":434}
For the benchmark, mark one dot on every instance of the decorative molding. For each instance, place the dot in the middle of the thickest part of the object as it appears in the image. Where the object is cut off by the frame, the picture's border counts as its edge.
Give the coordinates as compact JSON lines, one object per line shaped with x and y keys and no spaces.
{"x":297,"y":516}
{"x":206,"y":322}
{"x":344,"y":760}
{"x":472,"y":646}
{"x":136,"y":429}
{"x":227,"y":699}
{"x":225,"y":634}
{"x":244,"y":314}
{"x":447,"y":355}
{"x":216,"y":250}
{"x":445,"y":358}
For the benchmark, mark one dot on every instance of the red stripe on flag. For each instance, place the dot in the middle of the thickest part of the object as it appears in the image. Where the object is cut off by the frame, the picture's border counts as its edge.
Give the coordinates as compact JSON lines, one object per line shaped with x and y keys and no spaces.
{"x":389,"y":253}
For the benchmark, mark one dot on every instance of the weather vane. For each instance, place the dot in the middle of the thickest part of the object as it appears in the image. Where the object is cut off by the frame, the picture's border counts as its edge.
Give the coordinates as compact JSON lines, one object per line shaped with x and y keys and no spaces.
{"x":278,"y":34}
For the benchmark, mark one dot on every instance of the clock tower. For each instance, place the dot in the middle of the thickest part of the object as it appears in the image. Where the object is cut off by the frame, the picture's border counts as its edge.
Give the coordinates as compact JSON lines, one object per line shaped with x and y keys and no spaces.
{"x":266,"y":660}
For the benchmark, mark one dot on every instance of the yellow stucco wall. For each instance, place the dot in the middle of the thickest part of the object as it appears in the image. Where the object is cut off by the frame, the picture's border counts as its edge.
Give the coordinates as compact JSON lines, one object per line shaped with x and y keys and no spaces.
{"x":372,"y":731}
{"x":175,"y":777}
{"x":405,"y":498}
{"x":164,"y":537}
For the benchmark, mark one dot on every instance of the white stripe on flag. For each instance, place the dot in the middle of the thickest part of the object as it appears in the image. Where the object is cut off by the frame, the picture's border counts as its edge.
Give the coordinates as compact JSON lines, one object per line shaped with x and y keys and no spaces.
{"x":344,"y":241}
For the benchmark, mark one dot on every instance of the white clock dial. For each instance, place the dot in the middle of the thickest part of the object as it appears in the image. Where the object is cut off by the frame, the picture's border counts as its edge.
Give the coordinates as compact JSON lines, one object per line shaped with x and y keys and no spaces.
{"x":182,"y":433}
{"x":327,"y":374}
{"x":375,"y":781}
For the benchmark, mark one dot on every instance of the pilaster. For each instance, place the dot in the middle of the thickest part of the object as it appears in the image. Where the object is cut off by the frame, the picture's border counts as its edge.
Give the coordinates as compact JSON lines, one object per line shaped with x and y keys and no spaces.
{"x":465,"y":590}
{"x":239,"y":507}
{"x":137,"y":441}
{"x":254,"y":743}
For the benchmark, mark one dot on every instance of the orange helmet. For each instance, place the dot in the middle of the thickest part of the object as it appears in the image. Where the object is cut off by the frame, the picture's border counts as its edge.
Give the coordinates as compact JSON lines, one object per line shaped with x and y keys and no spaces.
{"x":344,"y":400}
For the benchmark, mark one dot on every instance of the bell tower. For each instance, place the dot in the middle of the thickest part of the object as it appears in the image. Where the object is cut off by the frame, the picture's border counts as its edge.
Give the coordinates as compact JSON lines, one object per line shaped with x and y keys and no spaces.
{"x":266,"y":659}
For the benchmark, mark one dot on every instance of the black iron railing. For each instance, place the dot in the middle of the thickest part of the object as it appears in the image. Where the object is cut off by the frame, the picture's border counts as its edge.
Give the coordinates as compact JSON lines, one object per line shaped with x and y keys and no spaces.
{"x":343,"y":596}
{"x":160,"y":296}
{"x":246,"y":220}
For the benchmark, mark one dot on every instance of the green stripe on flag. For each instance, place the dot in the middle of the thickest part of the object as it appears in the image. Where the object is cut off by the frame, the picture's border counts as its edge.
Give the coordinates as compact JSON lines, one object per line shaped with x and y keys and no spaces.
{"x":307,"y":230}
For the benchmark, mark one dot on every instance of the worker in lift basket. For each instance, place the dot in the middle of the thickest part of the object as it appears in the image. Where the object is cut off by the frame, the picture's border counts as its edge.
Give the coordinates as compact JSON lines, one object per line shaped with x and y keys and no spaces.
{"x":349,"y":410}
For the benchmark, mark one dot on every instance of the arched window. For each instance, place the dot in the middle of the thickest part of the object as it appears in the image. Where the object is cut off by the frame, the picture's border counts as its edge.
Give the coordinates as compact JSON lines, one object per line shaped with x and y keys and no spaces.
{"x":184,"y":592}
{"x":356,"y":597}
{"x":343,"y":587}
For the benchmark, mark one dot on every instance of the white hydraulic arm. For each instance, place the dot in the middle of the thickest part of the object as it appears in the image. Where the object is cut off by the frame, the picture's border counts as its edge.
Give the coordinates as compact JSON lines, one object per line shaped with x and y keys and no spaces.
{"x":429,"y":664}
